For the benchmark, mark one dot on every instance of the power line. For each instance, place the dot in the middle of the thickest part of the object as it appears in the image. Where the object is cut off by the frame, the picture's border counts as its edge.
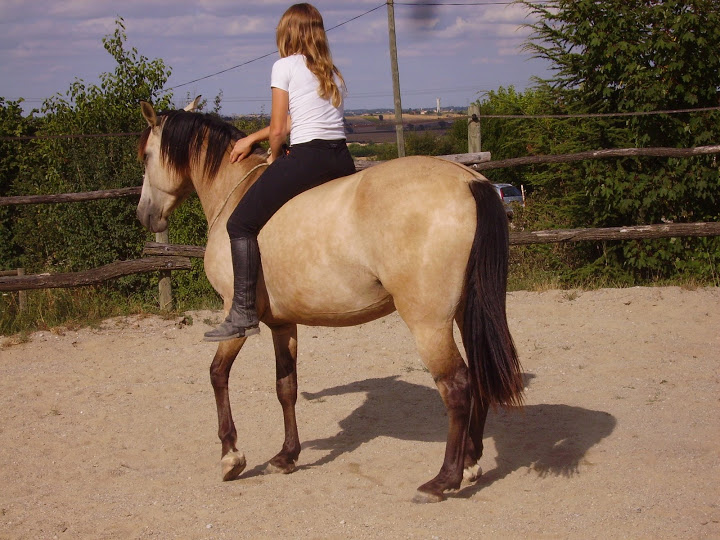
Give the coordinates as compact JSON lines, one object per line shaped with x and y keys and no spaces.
{"x":354,"y":18}
{"x":488,"y":116}
{"x":598,"y":115}
{"x":265,"y":55}
{"x":219,"y":72}
{"x":73,"y":136}
{"x":452,"y":3}
{"x":498,"y":3}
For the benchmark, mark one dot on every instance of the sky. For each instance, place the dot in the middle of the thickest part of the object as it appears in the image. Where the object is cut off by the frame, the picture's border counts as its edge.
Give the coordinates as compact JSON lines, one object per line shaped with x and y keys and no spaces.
{"x":450,"y":52}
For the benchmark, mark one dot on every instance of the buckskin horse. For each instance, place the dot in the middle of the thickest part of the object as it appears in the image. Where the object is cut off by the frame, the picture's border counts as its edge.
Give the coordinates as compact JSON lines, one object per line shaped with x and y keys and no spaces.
{"x":420,"y":235}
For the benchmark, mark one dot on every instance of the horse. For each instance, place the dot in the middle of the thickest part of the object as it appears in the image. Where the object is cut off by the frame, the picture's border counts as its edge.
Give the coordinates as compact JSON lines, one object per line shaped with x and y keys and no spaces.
{"x":422,"y":236}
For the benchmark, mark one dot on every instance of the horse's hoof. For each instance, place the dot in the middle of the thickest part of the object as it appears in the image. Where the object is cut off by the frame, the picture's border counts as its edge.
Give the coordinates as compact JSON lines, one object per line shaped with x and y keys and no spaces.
{"x":422,"y":497}
{"x":233,"y":463}
{"x":273,"y":468}
{"x":472,"y":473}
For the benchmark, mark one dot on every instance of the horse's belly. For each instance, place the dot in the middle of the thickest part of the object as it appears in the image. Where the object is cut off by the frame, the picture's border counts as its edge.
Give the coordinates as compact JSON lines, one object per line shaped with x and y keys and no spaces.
{"x":316,"y":271}
{"x":308,"y":295}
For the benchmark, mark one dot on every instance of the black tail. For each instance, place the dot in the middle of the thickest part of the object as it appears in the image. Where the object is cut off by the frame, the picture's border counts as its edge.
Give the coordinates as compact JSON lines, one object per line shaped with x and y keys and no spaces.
{"x":492,"y":358}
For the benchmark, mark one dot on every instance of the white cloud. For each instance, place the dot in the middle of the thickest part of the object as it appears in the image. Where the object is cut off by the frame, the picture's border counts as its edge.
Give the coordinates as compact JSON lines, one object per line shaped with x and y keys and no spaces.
{"x":45,"y":44}
{"x":200,"y":26}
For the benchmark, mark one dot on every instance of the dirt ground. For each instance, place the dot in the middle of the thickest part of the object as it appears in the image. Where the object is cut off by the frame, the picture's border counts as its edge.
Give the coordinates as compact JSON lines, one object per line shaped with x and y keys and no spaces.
{"x":111,"y":432}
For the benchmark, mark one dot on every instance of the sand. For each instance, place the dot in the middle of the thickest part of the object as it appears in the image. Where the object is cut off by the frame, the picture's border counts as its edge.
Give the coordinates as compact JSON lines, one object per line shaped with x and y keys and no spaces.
{"x":111,"y":432}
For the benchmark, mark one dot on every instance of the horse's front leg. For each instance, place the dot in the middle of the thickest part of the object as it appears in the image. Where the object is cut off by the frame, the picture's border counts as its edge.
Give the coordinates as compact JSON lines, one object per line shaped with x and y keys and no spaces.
{"x":232,"y":461}
{"x":285,"y":341}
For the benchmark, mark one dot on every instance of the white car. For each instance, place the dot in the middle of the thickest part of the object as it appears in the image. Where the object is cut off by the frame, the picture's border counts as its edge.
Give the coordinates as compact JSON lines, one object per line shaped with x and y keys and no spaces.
{"x":509,"y":195}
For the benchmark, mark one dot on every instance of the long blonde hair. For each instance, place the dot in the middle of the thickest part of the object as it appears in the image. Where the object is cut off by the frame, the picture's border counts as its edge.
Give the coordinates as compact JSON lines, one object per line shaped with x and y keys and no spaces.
{"x":301,"y":31}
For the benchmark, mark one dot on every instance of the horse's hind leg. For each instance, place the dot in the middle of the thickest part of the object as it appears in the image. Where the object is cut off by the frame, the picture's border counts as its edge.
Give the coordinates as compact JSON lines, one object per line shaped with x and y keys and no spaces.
{"x":478,"y":416}
{"x":285,"y":341}
{"x":442,"y":358}
{"x":474,"y":446}
{"x":232,"y":461}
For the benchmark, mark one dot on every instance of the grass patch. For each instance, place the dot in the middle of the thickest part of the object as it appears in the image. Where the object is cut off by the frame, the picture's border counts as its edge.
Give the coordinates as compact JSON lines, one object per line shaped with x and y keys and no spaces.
{"x":57,"y":310}
{"x":373,"y":151}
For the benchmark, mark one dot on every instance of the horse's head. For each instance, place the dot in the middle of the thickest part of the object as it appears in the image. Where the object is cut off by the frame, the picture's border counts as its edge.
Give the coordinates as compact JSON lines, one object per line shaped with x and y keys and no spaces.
{"x":182,"y":151}
{"x":163,"y":187}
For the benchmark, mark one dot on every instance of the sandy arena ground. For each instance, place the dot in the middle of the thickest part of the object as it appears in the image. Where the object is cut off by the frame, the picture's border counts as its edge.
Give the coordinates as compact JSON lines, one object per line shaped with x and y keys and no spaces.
{"x":111,"y":432}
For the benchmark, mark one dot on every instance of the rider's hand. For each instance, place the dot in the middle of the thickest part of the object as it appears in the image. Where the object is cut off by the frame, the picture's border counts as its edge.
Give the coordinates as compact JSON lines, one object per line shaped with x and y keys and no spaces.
{"x":241,"y":150}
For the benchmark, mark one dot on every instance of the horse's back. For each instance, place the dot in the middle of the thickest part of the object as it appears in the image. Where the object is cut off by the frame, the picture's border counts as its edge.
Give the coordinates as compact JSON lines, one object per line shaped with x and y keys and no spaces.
{"x":350,"y":250}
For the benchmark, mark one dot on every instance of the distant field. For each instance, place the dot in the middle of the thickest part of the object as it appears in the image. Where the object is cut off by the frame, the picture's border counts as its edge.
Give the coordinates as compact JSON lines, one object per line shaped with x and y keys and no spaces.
{"x":385,"y":136}
{"x":369,"y":128}
{"x":412,"y":118}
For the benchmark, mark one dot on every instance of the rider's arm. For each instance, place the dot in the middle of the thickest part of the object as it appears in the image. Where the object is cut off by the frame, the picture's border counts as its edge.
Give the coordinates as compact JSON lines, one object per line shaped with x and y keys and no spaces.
{"x":276,"y":132}
{"x":279,"y":122}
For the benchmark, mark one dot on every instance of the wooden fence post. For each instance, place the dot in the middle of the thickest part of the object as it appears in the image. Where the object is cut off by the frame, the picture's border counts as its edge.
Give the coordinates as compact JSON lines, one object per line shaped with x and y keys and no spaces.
{"x":473,"y":128}
{"x":164,"y":285}
{"x":22,"y":295}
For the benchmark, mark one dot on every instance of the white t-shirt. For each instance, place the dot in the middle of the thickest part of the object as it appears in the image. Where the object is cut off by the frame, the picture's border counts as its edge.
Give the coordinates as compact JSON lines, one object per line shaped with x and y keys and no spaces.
{"x":312,"y":116}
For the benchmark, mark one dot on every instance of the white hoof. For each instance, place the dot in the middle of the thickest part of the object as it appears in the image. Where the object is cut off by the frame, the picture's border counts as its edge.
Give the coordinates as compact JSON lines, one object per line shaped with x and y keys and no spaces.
{"x":233,"y":463}
{"x":471,"y":474}
{"x":274,"y":469}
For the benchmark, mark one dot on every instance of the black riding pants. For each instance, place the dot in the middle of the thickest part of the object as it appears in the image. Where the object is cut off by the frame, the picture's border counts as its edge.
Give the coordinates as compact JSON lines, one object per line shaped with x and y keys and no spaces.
{"x":305,"y":166}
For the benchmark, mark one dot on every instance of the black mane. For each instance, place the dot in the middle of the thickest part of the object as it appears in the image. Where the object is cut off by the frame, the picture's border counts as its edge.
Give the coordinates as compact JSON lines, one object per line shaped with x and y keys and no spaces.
{"x":183,"y":136}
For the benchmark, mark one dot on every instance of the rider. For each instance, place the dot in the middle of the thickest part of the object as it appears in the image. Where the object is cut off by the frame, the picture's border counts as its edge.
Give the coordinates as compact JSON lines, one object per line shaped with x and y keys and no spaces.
{"x":307,"y":103}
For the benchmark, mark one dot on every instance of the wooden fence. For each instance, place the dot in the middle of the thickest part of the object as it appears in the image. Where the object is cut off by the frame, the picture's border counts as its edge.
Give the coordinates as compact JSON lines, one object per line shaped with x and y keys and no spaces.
{"x":164,"y":257}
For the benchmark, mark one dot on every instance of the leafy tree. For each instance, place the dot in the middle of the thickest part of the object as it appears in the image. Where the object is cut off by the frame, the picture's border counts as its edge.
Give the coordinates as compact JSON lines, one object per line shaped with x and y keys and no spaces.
{"x":507,"y":138}
{"x":12,"y":124}
{"x":76,"y":236}
{"x":628,"y":57}
{"x":217,"y":103}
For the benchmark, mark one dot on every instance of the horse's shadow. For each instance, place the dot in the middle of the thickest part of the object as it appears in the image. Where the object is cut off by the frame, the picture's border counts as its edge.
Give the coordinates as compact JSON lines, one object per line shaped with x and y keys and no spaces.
{"x":549,"y":439}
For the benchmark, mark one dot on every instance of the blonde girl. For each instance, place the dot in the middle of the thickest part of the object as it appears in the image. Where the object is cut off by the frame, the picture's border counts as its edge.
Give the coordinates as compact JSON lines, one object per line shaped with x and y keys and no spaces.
{"x":307,"y":103}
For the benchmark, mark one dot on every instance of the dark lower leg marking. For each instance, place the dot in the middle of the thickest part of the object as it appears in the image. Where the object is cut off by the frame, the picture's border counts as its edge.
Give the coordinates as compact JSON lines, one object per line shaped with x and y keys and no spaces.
{"x":455,"y":391}
{"x":285,"y":341}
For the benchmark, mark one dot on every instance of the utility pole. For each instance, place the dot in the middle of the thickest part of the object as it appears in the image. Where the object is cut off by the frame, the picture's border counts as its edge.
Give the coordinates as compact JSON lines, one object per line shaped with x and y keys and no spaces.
{"x":396,"y":80}
{"x":474,"y":128}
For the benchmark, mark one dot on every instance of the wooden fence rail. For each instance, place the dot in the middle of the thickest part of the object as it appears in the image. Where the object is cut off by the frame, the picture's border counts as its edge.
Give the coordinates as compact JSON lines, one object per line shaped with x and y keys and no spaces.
{"x":520,"y":238}
{"x":479,"y":161}
{"x":637,"y":232}
{"x":165,"y":257}
{"x":94,"y":276}
{"x":600,"y":154}
{"x":180,"y":250}
{"x":472,"y":159}
{"x":71,"y":197}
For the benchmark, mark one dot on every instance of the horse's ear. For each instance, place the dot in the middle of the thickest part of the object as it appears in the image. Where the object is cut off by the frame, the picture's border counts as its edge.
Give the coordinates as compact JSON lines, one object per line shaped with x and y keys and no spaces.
{"x":193,"y":104}
{"x":148,"y":113}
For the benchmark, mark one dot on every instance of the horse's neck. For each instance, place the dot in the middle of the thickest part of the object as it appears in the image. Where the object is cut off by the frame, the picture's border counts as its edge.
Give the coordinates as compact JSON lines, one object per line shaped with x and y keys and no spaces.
{"x":220,"y":195}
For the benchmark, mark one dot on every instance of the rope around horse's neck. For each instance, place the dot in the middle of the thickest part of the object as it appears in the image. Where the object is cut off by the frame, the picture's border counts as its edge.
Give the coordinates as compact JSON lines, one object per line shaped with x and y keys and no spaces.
{"x":256,"y":167}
